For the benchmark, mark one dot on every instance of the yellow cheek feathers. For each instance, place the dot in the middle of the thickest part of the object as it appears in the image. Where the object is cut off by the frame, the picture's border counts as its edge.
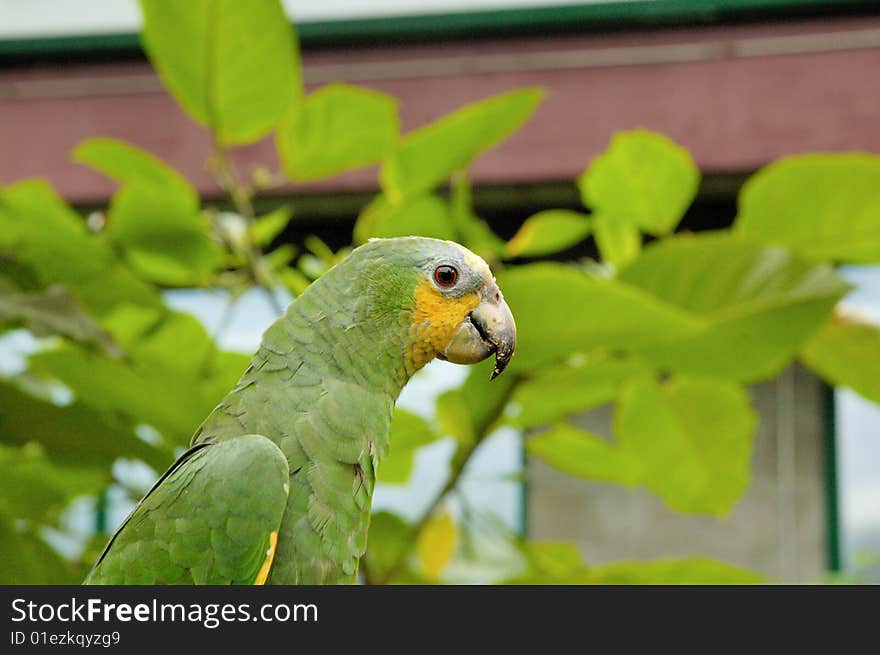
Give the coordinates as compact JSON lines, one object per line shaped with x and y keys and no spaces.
{"x":435,"y":320}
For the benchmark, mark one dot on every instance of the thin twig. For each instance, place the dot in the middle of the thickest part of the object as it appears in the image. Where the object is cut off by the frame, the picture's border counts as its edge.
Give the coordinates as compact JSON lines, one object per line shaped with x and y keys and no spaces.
{"x":240,"y":194}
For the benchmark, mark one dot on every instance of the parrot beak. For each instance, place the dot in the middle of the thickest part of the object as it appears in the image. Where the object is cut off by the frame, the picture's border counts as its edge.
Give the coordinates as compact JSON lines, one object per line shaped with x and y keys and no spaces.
{"x":488,"y":329}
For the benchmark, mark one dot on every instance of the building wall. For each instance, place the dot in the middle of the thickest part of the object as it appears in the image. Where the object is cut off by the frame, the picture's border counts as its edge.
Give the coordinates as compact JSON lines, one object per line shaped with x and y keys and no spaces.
{"x":736,"y":96}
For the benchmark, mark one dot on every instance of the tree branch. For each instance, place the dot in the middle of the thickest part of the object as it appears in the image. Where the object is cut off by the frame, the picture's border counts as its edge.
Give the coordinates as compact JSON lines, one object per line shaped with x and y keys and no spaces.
{"x":460,"y":462}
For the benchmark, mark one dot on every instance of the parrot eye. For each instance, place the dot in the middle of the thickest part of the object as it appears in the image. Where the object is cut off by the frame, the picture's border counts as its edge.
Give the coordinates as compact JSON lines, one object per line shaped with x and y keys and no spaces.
{"x":445,"y":276}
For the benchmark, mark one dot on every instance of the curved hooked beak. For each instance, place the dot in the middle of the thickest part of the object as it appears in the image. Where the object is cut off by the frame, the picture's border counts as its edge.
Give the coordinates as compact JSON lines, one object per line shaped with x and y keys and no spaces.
{"x":488,"y":329}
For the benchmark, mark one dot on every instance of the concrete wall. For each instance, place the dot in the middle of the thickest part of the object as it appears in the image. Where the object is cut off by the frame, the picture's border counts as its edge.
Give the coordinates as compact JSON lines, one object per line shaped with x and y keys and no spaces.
{"x":778,"y":527}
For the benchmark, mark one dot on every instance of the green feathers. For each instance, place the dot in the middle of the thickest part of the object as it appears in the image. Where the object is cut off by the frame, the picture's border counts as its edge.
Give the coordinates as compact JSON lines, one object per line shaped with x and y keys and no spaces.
{"x":320,"y":391}
{"x":207,"y":521}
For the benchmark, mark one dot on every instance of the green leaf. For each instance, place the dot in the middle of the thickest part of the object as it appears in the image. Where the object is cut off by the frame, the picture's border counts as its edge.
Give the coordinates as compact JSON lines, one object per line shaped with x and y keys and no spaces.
{"x":50,"y":238}
{"x":409,"y":430}
{"x":232,"y":66}
{"x":560,"y":563}
{"x":323,"y":252}
{"x":559,"y":391}
{"x":264,"y":230}
{"x":619,"y":242}
{"x":709,"y":305}
{"x":561,"y":310}
{"x":408,"y":433}
{"x":388,"y":537}
{"x":293,"y":281}
{"x":33,"y":488}
{"x":279,"y":258}
{"x":311,"y":266}
{"x":15,"y":273}
{"x":336,"y":128}
{"x":397,"y":467}
{"x":846,"y":353}
{"x":822,"y":207}
{"x":154,"y":217}
{"x":585,"y":455}
{"x":25,"y":559}
{"x":455,"y":419}
{"x":758,"y":303}
{"x":691,"y":571}
{"x":74,"y":435}
{"x":426,"y":157}
{"x":171,"y":379}
{"x":689,"y":441}
{"x":425,"y":216}
{"x":644,"y":179}
{"x":163,"y":242}
{"x":547,"y":232}
{"x":127,"y":164}
{"x":472,"y":231}
{"x":551,"y":562}
{"x":715,"y":274}
{"x":54,"y":311}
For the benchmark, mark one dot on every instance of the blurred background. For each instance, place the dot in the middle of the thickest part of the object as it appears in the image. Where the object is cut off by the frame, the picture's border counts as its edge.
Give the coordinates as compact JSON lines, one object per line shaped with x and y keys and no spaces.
{"x":737,"y":83}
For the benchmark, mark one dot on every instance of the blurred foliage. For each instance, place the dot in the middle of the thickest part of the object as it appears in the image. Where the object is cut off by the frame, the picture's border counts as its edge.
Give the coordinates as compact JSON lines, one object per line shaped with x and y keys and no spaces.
{"x":560,"y":563}
{"x":660,"y":443}
{"x":425,"y":158}
{"x":668,"y":334}
{"x":308,"y":138}
{"x":247,"y":73}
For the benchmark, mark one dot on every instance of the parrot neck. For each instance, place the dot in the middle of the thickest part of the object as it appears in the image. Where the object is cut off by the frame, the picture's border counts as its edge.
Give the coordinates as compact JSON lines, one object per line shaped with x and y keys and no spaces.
{"x":322,"y":387}
{"x":340,"y":328}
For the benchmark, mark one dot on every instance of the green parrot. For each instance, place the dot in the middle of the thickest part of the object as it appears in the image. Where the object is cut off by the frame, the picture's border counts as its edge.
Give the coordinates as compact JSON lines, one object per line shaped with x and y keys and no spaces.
{"x":277,"y":484}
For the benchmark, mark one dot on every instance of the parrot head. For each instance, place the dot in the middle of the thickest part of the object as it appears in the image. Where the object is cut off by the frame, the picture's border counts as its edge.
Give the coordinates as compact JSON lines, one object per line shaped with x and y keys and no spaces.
{"x":455,"y":309}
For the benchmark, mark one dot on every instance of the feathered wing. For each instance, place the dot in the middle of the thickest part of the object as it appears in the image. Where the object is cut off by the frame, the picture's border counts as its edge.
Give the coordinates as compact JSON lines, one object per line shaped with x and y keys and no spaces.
{"x":213,"y":518}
